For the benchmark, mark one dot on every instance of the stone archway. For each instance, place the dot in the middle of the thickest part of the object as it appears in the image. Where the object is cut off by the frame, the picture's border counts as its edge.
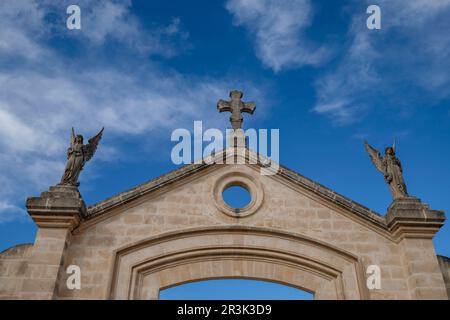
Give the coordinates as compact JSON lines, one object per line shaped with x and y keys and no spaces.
{"x":294,"y":232}
{"x":144,"y":268}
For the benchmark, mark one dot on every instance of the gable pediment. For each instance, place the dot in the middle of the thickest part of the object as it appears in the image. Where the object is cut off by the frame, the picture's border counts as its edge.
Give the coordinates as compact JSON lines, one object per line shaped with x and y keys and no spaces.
{"x":250,"y":160}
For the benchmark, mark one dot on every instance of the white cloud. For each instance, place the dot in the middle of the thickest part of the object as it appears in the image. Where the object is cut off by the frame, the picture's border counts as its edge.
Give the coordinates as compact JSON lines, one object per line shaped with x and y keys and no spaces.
{"x":108,"y":19}
{"x":9,"y":212}
{"x":16,"y":136}
{"x":277,"y":28}
{"x":20,"y":27}
{"x":111,"y":20}
{"x":26,"y":23}
{"x":402,"y":65}
{"x":44,"y":94}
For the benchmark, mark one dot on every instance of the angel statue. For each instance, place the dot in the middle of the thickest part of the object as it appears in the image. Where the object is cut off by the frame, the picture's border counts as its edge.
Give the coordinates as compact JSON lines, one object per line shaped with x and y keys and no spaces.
{"x":77,"y":155}
{"x":390,"y":167}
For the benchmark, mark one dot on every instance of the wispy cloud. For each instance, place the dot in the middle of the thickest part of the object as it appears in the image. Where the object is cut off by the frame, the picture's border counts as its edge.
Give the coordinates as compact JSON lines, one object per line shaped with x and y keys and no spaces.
{"x":277,"y":29}
{"x":399,"y":67}
{"x":43,"y":93}
{"x":112,"y":20}
{"x":10,"y":212}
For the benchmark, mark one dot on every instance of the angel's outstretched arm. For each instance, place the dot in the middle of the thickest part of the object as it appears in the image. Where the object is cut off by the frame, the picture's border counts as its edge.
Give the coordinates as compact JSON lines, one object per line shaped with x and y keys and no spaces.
{"x":72,"y":138}
{"x":72,"y":142}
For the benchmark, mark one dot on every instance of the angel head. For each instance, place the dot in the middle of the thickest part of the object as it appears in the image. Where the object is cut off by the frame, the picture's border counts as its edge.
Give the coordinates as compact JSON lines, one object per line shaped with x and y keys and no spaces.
{"x":79,"y":139}
{"x":390,"y":151}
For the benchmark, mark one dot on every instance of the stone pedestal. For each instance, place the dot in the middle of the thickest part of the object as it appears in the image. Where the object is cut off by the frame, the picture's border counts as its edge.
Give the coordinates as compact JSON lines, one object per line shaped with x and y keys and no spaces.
{"x":409,"y":217}
{"x":414,"y":225}
{"x":56,"y":212}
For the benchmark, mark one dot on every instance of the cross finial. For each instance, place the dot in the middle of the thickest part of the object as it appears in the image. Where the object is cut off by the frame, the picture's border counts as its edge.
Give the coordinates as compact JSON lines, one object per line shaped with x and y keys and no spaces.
{"x":236,"y":106}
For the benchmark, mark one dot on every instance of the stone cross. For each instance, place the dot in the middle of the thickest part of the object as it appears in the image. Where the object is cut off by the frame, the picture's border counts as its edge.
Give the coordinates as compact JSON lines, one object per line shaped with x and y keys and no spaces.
{"x":236,"y":106}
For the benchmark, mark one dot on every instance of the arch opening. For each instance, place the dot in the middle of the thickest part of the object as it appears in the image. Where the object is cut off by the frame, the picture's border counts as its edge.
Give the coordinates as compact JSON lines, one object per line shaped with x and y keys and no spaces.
{"x":234,"y":289}
{"x":144,"y":269}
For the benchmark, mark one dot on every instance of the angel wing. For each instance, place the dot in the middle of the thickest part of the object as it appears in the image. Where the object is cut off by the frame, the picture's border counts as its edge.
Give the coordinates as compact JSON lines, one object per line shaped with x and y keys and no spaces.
{"x":223,"y":106}
{"x":376,"y":158}
{"x":92,"y":145}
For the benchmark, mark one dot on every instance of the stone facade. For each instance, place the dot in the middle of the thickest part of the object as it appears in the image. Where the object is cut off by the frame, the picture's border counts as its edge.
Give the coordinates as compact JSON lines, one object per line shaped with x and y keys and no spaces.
{"x":13,"y":267}
{"x":444,"y":263}
{"x":175,"y":229}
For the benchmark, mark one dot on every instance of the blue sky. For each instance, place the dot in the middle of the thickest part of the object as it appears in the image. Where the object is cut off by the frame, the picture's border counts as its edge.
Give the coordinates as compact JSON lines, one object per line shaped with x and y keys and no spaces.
{"x":233,"y":289}
{"x":145,"y":68}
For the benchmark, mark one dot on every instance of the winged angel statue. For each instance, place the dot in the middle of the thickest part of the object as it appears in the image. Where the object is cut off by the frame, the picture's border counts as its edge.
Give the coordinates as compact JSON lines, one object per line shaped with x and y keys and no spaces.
{"x":77,"y":156}
{"x":391,"y":168}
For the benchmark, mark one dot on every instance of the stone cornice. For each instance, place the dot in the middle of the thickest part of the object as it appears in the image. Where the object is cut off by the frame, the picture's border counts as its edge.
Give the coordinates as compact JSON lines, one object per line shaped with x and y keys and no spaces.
{"x":410,"y":218}
{"x":60,"y":207}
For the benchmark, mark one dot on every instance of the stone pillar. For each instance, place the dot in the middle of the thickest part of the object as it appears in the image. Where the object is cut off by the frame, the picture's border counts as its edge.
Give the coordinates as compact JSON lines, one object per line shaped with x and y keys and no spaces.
{"x":56,"y":212}
{"x":414,"y":224}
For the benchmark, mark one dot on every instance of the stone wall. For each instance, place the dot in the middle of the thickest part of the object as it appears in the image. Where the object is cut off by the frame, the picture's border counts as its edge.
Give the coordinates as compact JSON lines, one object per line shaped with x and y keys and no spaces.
{"x":444,"y":263}
{"x":285,"y":207}
{"x":13,"y":267}
{"x":295,"y":233}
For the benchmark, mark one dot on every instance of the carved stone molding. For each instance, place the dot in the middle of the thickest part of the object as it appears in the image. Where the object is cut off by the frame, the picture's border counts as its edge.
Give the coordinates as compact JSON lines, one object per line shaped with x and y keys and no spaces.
{"x":410,"y":218}
{"x":60,"y":207}
{"x":141,"y":270}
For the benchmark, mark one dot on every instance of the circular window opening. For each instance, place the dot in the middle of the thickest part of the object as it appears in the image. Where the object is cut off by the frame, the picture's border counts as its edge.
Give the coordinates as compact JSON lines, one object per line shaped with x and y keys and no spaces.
{"x":236,"y":197}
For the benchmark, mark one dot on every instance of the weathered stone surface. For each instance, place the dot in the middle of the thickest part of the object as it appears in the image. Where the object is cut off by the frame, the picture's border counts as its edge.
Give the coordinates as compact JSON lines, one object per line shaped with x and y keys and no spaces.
{"x":61,"y":206}
{"x":412,"y":208}
{"x":172,"y":230}
{"x":13,"y":266}
{"x":410,"y":215}
{"x":56,"y":212}
{"x":236,"y":107}
{"x":444,"y":264}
